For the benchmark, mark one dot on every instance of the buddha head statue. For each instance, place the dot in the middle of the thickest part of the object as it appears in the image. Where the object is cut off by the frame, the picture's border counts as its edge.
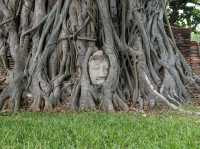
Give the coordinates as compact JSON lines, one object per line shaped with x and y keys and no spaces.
{"x":98,"y":67}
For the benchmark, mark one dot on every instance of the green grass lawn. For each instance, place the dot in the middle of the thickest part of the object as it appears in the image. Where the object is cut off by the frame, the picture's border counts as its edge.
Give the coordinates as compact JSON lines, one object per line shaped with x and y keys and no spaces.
{"x":99,"y":130}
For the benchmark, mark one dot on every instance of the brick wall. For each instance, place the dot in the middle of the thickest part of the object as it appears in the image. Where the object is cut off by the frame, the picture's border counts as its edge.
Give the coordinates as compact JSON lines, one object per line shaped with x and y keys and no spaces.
{"x":189,"y":49}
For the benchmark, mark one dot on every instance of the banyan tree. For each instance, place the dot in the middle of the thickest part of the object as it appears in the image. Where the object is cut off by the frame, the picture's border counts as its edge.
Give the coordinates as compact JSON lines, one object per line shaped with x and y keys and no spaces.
{"x":92,"y":55}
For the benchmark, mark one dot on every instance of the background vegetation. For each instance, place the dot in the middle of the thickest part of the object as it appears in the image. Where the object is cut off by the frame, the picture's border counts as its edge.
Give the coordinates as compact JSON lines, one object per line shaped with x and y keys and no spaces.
{"x":185,"y":13}
{"x":196,"y":37}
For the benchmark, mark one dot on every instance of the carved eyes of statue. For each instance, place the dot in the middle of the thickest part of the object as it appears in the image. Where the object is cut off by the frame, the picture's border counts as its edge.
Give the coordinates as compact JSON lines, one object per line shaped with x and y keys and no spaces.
{"x":101,"y":67}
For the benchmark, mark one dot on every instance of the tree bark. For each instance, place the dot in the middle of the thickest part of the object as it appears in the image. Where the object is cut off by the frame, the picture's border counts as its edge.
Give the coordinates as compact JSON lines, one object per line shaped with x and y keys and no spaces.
{"x":54,"y":42}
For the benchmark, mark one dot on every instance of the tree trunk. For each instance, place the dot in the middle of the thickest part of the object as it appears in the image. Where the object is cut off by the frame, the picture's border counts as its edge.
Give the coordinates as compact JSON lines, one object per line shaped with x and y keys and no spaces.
{"x":92,"y":55}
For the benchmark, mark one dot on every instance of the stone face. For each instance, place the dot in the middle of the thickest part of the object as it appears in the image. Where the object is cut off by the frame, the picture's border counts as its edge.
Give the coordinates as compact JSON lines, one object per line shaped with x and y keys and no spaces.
{"x":98,"y":68}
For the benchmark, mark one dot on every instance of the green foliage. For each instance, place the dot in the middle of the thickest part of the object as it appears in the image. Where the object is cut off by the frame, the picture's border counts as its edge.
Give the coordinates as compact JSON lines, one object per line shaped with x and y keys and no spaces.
{"x":196,"y":37}
{"x":98,"y":130}
{"x":184,"y":15}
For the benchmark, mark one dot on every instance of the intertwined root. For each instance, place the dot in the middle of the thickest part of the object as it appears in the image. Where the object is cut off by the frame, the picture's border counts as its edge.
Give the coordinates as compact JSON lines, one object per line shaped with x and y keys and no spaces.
{"x":53,"y":41}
